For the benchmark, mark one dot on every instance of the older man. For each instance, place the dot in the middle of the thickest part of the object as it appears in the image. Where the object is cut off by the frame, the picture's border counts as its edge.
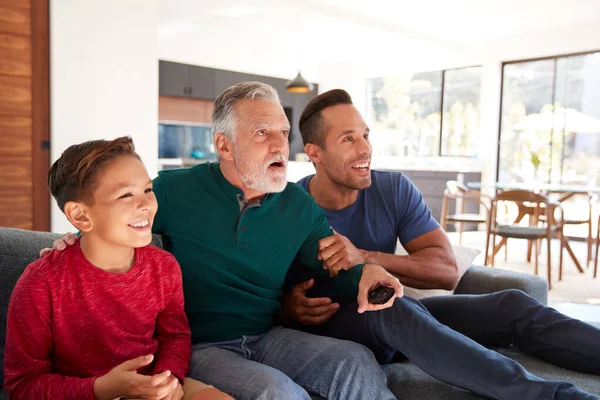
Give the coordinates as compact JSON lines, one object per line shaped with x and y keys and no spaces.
{"x":234,"y":227}
{"x":370,"y":211}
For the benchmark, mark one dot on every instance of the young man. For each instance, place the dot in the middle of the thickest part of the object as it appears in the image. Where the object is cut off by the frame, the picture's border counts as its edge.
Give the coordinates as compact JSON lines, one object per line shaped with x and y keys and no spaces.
{"x":234,"y":227}
{"x":103,"y":319}
{"x":370,"y":211}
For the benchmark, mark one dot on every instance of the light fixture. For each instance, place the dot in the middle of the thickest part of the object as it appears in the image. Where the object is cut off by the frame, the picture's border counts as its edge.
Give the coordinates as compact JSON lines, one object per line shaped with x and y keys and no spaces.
{"x":299,"y":85}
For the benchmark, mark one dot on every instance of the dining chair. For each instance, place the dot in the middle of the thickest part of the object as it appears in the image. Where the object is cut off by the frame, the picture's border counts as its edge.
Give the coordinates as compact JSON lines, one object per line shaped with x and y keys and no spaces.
{"x":587,"y":219}
{"x":462,"y":194}
{"x":534,"y":228}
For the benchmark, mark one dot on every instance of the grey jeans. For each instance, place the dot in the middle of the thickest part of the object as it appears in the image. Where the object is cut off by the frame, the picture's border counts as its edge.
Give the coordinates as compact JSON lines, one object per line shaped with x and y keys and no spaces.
{"x":288,"y":364}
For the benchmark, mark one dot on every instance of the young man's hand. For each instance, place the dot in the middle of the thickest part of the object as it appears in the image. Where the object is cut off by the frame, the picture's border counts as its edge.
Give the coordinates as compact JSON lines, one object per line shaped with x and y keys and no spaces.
{"x":60,"y":244}
{"x":338,"y":252}
{"x":123,"y":380}
{"x":308,"y":311}
{"x":374,"y":275}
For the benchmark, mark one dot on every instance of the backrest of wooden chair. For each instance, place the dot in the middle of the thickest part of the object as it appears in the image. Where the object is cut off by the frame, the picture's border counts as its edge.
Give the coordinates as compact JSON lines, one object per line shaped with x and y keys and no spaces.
{"x":534,"y":203}
{"x":590,"y":199}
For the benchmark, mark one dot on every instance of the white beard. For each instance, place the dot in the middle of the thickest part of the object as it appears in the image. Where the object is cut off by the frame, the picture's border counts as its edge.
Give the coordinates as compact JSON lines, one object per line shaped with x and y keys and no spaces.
{"x":258,"y":177}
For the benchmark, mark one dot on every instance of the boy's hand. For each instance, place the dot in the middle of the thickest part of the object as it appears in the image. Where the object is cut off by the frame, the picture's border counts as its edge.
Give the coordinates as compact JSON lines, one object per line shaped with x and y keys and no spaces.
{"x":374,"y":275}
{"x":60,"y":244}
{"x":338,"y":252}
{"x":176,"y":394}
{"x":123,"y":380}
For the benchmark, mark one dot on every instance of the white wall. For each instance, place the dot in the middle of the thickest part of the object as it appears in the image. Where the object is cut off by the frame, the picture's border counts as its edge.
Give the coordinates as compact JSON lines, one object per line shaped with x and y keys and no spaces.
{"x":104,"y":77}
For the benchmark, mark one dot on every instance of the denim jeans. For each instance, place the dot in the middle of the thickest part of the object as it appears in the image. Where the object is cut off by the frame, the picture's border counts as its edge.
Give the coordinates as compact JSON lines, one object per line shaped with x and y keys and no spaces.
{"x":288,"y":364}
{"x":511,"y":317}
{"x":454,"y":358}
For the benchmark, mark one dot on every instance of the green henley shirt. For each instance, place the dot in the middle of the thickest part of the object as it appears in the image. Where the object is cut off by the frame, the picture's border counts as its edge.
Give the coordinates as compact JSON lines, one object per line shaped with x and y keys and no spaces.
{"x":234,"y":259}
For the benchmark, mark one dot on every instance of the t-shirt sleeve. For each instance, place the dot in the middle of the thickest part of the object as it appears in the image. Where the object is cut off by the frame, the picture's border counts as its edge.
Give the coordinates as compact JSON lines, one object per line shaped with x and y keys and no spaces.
{"x":414,"y":217}
{"x":346,"y":282}
{"x":160,"y":219}
{"x":27,"y":359}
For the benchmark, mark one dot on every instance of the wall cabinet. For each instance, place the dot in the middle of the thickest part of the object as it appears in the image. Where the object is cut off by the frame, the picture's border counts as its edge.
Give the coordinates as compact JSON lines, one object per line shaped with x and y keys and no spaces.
{"x":186,"y":80}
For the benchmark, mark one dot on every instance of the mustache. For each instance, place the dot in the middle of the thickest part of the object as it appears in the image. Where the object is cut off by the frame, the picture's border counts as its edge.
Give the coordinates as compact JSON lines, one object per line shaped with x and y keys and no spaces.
{"x":276,"y":158}
{"x":363,"y":158}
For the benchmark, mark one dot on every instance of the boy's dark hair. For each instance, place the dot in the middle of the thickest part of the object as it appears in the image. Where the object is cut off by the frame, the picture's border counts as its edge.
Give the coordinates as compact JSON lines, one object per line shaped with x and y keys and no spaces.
{"x":312,"y":124}
{"x":73,"y":176}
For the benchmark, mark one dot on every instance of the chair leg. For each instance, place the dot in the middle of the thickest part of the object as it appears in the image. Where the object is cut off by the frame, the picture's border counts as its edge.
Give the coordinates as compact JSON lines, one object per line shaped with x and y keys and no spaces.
{"x":535,"y":248}
{"x":590,"y":243}
{"x":597,"y":251}
{"x":549,"y":239}
{"x":560,"y":259}
{"x":493,"y":248}
{"x":486,"y":261}
{"x":460,"y":232}
{"x":529,"y":246}
{"x":444,"y":212}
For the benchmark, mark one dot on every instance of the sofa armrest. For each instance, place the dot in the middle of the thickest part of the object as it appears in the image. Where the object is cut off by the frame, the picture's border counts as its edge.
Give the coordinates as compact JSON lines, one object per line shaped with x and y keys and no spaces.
{"x":483,"y":280}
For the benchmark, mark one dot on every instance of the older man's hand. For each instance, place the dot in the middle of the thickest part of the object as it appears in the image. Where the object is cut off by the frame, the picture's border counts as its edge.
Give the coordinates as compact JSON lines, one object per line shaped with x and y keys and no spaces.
{"x":374,"y":275}
{"x":308,"y":311}
{"x":60,"y":244}
{"x":338,"y":252}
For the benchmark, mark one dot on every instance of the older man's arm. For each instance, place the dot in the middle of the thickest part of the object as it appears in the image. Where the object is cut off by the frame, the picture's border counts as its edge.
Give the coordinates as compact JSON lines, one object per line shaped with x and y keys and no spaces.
{"x":353,"y":282}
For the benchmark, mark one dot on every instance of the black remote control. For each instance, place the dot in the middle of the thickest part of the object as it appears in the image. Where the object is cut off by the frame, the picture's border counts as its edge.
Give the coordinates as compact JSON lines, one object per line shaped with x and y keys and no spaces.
{"x":381,"y":295}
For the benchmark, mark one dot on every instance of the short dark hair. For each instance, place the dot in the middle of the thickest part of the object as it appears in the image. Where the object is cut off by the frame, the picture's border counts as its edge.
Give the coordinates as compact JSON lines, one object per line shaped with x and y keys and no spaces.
{"x":73,"y":176}
{"x":312,"y":124}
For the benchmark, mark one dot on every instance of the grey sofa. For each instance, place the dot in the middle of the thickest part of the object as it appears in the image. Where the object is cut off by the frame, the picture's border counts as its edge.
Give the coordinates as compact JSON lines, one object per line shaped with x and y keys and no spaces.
{"x":18,"y":248}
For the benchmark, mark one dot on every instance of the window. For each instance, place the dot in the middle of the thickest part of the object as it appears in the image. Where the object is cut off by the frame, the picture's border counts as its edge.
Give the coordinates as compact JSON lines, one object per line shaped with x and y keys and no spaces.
{"x":550,"y":121}
{"x":550,"y":126}
{"x":425,"y":114}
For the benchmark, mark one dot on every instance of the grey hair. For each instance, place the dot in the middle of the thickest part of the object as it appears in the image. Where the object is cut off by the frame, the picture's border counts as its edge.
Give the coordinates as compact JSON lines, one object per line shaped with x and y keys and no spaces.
{"x":224,"y":119}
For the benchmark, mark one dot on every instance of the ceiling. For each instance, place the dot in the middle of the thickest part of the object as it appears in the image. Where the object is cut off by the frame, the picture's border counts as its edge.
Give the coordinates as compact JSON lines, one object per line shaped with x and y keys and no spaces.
{"x":277,"y":37}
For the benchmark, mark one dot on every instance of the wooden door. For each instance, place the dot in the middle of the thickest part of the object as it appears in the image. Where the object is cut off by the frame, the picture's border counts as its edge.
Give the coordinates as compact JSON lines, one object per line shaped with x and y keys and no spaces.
{"x":24,"y":114}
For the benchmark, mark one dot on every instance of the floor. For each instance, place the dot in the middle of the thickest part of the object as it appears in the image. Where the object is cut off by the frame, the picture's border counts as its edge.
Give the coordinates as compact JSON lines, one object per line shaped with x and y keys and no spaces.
{"x":577,"y":295}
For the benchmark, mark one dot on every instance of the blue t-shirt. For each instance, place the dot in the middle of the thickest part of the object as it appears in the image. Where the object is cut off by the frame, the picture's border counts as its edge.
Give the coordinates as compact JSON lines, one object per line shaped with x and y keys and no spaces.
{"x":391,"y":208}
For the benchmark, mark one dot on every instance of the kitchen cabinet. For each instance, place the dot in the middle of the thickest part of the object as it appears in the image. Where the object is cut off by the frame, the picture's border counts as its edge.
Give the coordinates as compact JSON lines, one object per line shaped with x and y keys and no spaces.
{"x":186,"y":80}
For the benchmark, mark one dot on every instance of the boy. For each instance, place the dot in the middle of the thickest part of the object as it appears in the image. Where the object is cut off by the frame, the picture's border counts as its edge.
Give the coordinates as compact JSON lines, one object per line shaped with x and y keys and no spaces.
{"x":103,"y":319}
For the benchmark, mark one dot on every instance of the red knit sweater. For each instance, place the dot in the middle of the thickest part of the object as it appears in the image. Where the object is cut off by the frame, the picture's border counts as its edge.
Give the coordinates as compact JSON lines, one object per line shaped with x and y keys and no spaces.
{"x":69,"y":322}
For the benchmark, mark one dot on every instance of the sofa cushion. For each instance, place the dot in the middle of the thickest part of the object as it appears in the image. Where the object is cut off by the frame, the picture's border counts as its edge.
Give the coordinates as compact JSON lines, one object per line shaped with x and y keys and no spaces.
{"x":464,"y":259}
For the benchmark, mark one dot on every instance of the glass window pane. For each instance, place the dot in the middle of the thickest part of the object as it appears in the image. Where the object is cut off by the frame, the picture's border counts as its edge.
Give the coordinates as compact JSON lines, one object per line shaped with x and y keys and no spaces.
{"x":460,"y":129}
{"x":577,"y":132}
{"x":577,"y":120}
{"x":526,"y":121}
{"x":404,"y":116}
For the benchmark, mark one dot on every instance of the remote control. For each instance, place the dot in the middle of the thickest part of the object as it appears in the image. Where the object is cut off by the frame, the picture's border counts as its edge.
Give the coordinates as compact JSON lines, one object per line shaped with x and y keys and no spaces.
{"x":381,"y":295}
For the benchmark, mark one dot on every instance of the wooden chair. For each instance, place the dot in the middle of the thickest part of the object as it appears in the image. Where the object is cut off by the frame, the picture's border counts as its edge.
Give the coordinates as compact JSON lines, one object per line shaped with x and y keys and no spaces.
{"x":536,"y":229}
{"x":459,"y":192}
